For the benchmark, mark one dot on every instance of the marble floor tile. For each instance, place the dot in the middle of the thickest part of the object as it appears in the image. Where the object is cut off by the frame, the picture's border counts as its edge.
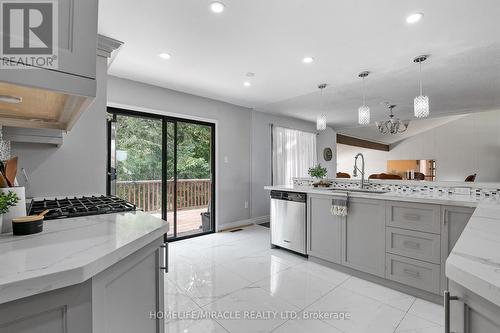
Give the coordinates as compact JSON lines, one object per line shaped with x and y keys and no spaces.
{"x":323,"y":272}
{"x":380,"y":293}
{"x":366,"y":314}
{"x":226,"y":252}
{"x":306,"y":326}
{"x":284,"y":256}
{"x":176,"y":300}
{"x":427,"y":310}
{"x":253,"y":301}
{"x":414,"y":324}
{"x":296,"y":286}
{"x":208,"y":284}
{"x":239,"y":272}
{"x":255,"y":267}
{"x":194,"y":326}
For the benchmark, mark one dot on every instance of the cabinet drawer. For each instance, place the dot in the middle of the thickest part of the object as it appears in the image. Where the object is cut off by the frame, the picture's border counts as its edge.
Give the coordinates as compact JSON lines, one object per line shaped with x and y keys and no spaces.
{"x":419,"y":217}
{"x":414,"y":244}
{"x":415,"y":273}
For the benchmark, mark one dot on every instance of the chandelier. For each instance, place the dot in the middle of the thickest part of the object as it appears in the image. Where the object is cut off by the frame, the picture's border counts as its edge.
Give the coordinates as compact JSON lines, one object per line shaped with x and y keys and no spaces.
{"x":393,"y":125}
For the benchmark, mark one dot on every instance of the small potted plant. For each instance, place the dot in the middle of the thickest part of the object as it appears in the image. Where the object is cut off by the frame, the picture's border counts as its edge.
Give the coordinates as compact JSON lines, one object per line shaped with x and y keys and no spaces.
{"x":319,"y":173}
{"x":7,"y":200}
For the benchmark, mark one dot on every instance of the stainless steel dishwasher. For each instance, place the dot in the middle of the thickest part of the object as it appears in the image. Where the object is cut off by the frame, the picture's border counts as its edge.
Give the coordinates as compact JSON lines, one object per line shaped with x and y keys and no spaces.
{"x":288,"y":220}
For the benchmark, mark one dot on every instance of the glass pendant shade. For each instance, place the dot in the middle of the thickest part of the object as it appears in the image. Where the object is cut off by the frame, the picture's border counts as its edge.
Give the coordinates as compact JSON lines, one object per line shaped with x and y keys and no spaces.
{"x":421,"y":102}
{"x":321,"y":122}
{"x":364,"y":115}
{"x":421,"y":106}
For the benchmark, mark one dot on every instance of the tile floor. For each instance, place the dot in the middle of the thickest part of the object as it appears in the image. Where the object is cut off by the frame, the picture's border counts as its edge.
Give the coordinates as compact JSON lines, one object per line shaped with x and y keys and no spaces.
{"x":235,"y":273}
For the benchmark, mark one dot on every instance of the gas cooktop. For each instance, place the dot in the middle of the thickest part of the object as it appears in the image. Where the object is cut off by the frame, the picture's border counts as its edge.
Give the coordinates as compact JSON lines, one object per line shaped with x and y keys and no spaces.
{"x":80,"y":206}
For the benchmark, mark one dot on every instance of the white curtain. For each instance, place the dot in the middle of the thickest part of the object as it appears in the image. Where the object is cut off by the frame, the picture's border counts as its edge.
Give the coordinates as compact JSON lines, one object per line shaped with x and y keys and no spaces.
{"x":294,"y":152}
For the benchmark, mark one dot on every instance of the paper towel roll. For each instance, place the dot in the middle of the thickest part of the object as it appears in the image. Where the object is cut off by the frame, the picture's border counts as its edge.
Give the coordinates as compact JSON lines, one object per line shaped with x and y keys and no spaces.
{"x":16,"y":211}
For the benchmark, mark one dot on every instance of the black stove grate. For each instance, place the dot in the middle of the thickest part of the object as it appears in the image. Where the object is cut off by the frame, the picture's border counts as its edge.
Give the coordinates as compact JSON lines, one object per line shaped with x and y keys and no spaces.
{"x":80,"y":206}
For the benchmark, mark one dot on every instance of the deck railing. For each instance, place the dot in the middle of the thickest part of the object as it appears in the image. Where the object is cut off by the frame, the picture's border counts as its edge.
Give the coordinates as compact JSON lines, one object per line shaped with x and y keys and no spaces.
{"x":146,"y":194}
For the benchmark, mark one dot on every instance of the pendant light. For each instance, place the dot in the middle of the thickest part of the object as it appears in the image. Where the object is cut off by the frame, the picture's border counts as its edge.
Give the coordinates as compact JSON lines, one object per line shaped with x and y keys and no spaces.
{"x":364,"y":111}
{"x":321,"y":119}
{"x":421,"y":103}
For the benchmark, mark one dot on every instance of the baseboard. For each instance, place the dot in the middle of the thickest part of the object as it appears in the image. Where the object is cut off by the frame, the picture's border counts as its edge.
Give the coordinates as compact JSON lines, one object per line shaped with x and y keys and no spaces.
{"x":235,"y":224}
{"x":241,"y":223}
{"x":261,"y":219}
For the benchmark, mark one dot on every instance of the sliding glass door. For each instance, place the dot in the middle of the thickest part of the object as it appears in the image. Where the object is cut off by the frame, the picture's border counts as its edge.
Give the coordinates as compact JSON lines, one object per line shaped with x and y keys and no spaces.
{"x":194,"y":178}
{"x":136,"y":162}
{"x":166,"y":167}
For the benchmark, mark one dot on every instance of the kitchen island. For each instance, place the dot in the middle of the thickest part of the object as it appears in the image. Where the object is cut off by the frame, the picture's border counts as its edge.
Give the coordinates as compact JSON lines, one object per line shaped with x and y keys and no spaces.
{"x":97,"y":273}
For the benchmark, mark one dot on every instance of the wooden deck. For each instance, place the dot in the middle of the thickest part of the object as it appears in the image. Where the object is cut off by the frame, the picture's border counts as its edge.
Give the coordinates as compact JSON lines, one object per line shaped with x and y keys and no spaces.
{"x":188,"y":221}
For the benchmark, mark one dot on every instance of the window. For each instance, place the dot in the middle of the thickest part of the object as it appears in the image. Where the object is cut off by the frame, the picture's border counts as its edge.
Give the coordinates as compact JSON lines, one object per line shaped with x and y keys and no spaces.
{"x":294,"y":152}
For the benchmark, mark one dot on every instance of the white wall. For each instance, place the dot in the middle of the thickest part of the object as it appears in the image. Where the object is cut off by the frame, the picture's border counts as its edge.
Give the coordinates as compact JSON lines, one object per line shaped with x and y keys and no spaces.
{"x":328,"y":139}
{"x":465,"y":146}
{"x":79,"y":166}
{"x":233,"y":135}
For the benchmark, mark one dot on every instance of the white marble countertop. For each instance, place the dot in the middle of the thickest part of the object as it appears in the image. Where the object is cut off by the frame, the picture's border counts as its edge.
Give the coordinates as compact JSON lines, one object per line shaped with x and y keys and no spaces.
{"x":70,"y":251}
{"x":474,"y":262}
{"x":407,"y":196}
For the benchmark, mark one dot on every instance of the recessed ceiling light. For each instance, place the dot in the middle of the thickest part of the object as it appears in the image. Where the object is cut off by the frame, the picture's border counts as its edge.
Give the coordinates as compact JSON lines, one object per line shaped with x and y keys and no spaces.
{"x":165,"y":55}
{"x":414,"y":18}
{"x":247,"y":84}
{"x":217,"y":7}
{"x":307,"y":60}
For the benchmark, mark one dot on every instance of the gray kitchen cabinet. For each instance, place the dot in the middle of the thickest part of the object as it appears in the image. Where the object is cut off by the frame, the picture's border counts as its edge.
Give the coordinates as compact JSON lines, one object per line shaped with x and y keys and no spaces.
{"x":63,"y":310}
{"x":470,"y":313}
{"x":453,"y":222}
{"x":415,"y":273}
{"x":118,"y":299}
{"x":414,"y":244}
{"x":363,"y":236}
{"x":125,"y":295}
{"x":78,"y":37}
{"x":323,"y":229}
{"x":414,"y":216}
{"x":76,"y":44}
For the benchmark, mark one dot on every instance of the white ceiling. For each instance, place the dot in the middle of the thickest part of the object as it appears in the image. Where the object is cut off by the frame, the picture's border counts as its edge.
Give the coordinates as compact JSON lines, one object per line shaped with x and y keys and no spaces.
{"x":211,"y":53}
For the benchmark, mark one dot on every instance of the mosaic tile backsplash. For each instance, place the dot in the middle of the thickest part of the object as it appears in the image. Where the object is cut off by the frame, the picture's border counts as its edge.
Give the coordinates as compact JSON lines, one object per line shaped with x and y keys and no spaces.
{"x":400,"y":186}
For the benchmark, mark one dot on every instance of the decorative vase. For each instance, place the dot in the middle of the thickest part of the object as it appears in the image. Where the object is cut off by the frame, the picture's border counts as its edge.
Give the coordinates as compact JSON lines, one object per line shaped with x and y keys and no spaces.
{"x":18,"y":210}
{"x":1,"y":221}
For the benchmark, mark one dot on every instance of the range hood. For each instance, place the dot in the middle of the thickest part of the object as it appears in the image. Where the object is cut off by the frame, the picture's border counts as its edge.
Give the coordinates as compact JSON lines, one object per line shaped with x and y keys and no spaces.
{"x":28,"y":107}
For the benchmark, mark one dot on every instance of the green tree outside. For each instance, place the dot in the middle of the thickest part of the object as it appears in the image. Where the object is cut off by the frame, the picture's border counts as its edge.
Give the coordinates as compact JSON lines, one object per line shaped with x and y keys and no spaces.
{"x":141,"y":140}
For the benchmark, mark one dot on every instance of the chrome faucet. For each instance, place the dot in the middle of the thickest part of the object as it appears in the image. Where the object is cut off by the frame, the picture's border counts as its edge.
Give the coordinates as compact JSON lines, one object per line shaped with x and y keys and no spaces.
{"x":362,"y":170}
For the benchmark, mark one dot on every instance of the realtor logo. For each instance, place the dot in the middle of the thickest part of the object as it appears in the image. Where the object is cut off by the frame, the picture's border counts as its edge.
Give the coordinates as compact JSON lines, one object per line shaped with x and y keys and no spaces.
{"x":29,"y":34}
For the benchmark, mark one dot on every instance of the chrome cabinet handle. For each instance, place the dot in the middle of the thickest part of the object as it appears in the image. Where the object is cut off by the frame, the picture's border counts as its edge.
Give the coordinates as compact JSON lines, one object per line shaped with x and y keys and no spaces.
{"x":411,"y":273}
{"x":413,"y":217}
{"x":165,"y":267}
{"x":447,"y":299}
{"x":411,"y":244}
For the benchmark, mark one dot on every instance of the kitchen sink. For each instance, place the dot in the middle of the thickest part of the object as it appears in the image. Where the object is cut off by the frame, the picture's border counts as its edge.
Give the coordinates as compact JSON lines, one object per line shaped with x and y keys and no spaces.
{"x":362,"y":190}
